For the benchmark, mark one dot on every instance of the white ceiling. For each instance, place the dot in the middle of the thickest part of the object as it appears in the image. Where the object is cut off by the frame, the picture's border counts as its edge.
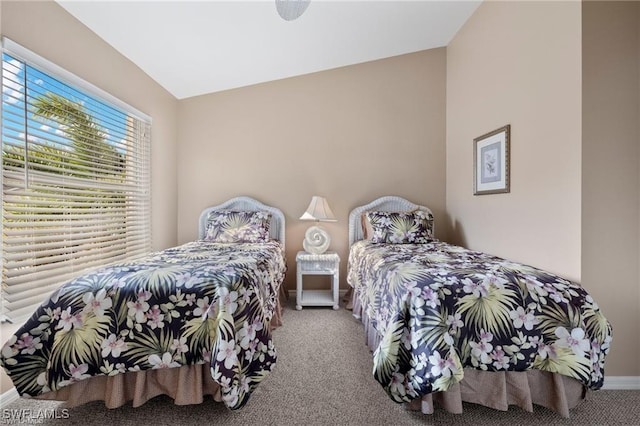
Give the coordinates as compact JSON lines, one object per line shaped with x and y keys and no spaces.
{"x":197,"y":47}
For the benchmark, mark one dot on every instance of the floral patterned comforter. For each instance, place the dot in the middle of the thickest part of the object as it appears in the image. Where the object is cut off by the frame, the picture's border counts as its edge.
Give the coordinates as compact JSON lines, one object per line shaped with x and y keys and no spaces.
{"x":195,"y":303}
{"x":439,"y":308}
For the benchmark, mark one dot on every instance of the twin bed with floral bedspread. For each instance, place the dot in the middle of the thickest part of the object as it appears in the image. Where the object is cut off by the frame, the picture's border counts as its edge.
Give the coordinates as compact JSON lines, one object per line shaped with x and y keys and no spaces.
{"x":454,"y":325}
{"x":186,"y":321}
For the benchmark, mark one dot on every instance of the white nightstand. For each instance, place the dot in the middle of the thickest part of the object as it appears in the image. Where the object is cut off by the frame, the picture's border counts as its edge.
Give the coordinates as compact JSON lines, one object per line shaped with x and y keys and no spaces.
{"x":317,"y":264}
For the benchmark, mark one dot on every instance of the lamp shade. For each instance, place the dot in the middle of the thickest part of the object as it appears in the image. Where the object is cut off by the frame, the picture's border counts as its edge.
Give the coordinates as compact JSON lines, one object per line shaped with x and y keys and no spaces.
{"x":319,"y":211}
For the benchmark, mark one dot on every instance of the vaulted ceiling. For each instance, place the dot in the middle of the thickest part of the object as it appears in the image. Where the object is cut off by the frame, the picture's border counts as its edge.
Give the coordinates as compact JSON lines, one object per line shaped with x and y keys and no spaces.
{"x":197,"y":47}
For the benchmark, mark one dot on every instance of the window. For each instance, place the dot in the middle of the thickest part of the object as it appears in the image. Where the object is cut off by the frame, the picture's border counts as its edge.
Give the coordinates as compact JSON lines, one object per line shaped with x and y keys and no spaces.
{"x":75,"y":179}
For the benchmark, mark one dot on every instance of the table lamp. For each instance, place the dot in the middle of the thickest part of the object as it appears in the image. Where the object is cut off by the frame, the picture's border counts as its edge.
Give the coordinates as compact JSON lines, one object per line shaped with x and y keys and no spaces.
{"x":316,"y":239}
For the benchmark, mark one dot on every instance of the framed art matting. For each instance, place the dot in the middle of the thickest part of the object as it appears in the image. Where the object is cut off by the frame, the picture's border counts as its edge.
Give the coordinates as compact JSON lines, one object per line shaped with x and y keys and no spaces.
{"x":491,"y":162}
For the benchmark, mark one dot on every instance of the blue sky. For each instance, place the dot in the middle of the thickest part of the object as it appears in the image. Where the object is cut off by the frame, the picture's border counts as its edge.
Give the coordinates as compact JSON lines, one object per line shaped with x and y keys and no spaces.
{"x":111,"y":120}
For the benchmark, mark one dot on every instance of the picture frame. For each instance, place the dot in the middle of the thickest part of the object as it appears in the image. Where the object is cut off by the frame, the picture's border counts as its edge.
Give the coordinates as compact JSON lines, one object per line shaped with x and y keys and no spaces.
{"x":491,"y":158}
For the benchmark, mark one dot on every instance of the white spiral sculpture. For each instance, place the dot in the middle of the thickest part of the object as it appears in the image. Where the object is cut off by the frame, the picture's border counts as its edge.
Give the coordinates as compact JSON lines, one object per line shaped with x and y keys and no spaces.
{"x":316,"y":240}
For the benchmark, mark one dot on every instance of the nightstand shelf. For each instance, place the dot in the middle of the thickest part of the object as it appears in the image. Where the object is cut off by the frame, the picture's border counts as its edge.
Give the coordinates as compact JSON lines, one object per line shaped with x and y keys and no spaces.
{"x":317,"y":264}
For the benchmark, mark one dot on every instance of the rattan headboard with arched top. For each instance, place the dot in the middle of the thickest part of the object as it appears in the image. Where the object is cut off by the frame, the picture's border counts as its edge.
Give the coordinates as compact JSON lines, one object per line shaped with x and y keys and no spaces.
{"x":390,"y":203}
{"x":276,"y":227}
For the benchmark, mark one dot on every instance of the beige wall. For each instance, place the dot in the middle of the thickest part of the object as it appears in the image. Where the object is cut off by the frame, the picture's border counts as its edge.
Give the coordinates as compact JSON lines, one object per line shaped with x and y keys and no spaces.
{"x":48,"y":30}
{"x":350,"y":134}
{"x":610,"y":170}
{"x":574,"y":201}
{"x":60,"y":38}
{"x":518,"y":63}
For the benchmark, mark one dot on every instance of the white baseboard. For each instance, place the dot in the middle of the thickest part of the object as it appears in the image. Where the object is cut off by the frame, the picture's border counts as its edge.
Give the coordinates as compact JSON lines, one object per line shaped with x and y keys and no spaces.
{"x":621,"y":383}
{"x":8,"y":397}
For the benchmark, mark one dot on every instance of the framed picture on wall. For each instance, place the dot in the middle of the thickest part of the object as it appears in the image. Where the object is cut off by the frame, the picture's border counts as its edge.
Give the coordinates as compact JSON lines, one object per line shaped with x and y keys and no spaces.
{"x":491,"y":162}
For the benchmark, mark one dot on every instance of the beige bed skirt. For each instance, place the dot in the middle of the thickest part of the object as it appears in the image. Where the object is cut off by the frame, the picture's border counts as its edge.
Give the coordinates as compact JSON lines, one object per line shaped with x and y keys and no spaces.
{"x":495,"y":390}
{"x":186,"y":385}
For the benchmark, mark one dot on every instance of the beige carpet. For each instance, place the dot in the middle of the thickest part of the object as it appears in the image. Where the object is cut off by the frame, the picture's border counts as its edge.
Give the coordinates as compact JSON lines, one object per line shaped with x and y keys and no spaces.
{"x":323,"y":377}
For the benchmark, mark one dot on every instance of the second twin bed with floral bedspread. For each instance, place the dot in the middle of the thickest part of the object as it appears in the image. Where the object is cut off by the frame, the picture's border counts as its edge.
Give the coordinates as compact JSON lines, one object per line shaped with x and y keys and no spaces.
{"x":443,"y":318}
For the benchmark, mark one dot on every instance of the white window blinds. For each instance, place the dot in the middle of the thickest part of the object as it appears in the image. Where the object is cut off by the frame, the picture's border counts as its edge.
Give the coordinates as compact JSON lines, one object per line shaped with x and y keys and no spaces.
{"x":75,"y":179}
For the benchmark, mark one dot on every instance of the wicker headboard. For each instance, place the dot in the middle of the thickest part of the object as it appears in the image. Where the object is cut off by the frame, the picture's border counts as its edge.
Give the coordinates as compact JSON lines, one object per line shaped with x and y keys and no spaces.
{"x":276,"y":228}
{"x":389,"y":203}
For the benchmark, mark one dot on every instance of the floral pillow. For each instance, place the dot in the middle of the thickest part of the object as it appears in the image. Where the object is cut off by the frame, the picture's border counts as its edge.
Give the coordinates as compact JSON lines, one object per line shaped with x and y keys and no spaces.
{"x":415,"y":227}
{"x":230,"y":226}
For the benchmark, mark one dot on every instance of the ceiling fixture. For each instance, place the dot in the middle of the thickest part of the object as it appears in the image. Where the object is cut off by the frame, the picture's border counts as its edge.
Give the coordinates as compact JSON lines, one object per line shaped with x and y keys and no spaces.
{"x":291,"y":9}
